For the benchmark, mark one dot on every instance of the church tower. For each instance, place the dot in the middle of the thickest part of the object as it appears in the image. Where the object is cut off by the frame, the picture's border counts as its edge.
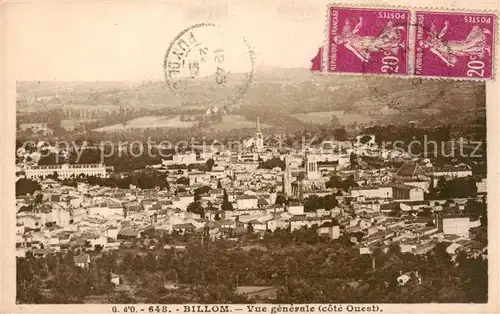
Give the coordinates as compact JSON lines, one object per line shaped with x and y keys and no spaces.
{"x":258,"y":138}
{"x":287,"y":178}
{"x":312,"y":172}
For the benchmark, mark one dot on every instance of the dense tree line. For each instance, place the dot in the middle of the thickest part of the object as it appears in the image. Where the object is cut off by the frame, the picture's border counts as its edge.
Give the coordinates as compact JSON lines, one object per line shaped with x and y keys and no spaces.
{"x":337,"y":182}
{"x":121,"y":161}
{"x":272,"y":163}
{"x":304,"y":267}
{"x":454,"y":188}
{"x":457,"y":187}
{"x":26,"y":186}
{"x":144,"y":179}
{"x":57,"y":275}
{"x":315,"y":202}
{"x":196,"y":208}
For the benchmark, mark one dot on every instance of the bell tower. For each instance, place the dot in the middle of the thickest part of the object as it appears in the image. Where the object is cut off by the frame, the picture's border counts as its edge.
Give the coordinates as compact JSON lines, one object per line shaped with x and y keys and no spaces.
{"x":312,"y":171}
{"x":258,"y":138}
{"x":287,"y":178}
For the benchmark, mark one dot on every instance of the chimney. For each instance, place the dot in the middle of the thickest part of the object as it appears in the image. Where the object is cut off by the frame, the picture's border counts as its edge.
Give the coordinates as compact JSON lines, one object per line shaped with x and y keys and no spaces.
{"x":400,"y":272}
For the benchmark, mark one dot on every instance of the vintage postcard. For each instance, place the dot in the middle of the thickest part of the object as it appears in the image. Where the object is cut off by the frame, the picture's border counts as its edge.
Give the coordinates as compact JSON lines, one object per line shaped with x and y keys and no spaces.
{"x":249,"y":157}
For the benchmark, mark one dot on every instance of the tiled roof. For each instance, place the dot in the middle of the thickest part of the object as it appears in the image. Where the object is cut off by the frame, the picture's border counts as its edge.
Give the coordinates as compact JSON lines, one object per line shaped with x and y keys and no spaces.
{"x":184,"y":226}
{"x":246,"y":197}
{"x":410,"y":169}
{"x":127,"y":231}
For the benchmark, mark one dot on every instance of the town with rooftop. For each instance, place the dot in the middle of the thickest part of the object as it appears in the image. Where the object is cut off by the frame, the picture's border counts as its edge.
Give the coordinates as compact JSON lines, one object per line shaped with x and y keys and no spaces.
{"x":317,"y":216}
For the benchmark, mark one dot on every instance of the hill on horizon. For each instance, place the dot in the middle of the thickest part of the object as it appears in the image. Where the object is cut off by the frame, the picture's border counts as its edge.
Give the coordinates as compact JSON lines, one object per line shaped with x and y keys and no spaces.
{"x":273,"y":94}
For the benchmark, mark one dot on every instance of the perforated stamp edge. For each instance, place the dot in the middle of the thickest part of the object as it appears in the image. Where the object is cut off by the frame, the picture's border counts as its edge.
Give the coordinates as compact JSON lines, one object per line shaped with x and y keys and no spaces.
{"x":411,"y":44}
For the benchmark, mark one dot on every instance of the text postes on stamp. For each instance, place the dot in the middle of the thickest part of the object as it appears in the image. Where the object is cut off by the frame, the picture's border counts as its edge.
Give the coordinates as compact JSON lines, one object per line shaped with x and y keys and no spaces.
{"x":456,"y":45}
{"x":372,"y":41}
{"x":206,"y":65}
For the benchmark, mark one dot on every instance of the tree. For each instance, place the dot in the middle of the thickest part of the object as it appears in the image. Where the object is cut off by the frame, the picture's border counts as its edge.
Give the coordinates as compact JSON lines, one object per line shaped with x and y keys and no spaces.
{"x":475,"y":209}
{"x":365,"y":139}
{"x":280,"y":200}
{"x":315,"y":202}
{"x":150,"y":262}
{"x":330,"y":202}
{"x":183,"y":180}
{"x":394,"y":249}
{"x":210,"y":164}
{"x":441,"y":183}
{"x":55,"y":122}
{"x":306,"y":270}
{"x":426,"y":212}
{"x":200,"y":191}
{"x":28,"y":283}
{"x":226,"y":204}
{"x":458,"y":187}
{"x":340,"y":134}
{"x":353,"y":160}
{"x":26,"y":186}
{"x":49,"y":159}
{"x":121,"y":298}
{"x":38,"y":199}
{"x":250,"y":228}
{"x":348,"y":183}
{"x":272,"y":163}
{"x":55,"y":175}
{"x":196,"y":208}
{"x":334,"y":121}
{"x":334,"y":182}
{"x":197,"y":195}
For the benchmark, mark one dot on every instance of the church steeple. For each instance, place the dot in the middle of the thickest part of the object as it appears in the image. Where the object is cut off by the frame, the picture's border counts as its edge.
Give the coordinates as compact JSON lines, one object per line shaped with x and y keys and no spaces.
{"x":258,"y":138}
{"x":287,"y":178}
{"x":312,"y":171}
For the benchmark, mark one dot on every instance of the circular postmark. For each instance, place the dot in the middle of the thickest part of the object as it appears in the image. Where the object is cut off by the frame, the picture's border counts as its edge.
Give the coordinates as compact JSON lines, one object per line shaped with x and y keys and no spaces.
{"x":206,"y":65}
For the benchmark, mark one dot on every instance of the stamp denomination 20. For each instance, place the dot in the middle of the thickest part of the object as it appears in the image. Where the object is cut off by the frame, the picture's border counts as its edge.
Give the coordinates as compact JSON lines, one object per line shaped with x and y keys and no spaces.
{"x":458,"y":45}
{"x":372,"y":41}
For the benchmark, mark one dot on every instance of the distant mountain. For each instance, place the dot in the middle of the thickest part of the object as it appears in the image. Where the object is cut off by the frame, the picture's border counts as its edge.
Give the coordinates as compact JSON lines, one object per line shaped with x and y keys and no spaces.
{"x":377,"y":99}
{"x":277,"y":95}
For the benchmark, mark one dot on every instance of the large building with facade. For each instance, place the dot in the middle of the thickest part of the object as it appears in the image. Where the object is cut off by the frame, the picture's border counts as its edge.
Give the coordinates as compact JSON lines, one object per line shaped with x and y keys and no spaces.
{"x":298,"y":181}
{"x":65,"y":171}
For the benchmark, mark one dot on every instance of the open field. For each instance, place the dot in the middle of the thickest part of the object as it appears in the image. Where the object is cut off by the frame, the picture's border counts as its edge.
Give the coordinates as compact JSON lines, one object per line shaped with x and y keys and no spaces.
{"x":229,"y":122}
{"x":149,"y":122}
{"x":286,"y":97}
{"x":325,"y":117}
{"x":233,"y":122}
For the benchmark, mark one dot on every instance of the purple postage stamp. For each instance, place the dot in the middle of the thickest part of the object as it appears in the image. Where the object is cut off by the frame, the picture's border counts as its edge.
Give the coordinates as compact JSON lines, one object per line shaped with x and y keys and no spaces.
{"x":454,"y":44}
{"x":368,"y":40}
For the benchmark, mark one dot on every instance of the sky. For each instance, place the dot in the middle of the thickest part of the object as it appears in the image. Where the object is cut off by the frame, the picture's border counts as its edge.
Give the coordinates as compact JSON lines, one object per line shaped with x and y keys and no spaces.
{"x":127,"y":41}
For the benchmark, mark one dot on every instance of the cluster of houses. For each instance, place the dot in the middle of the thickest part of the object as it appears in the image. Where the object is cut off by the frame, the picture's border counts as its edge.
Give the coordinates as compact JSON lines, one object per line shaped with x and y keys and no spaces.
{"x":384,"y":206}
